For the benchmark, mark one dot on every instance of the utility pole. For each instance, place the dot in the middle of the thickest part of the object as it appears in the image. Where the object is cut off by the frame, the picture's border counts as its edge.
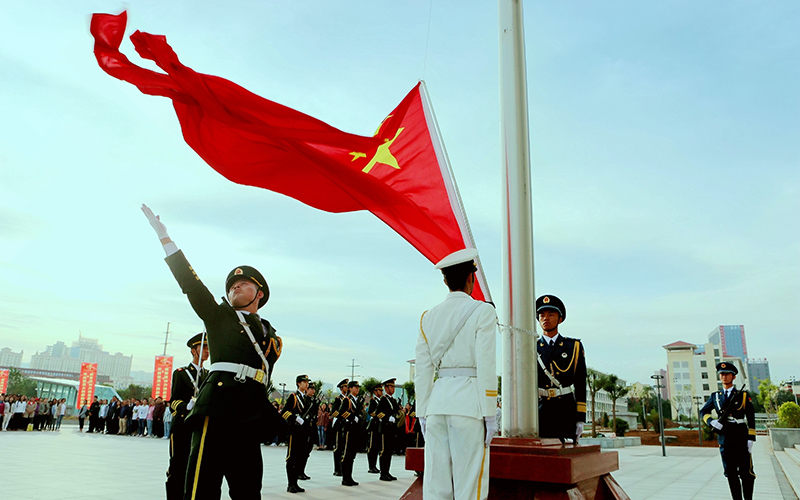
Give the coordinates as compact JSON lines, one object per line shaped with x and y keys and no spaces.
{"x":353,"y":367}
{"x":283,"y":392}
{"x":697,"y":401}
{"x":166,"y":339}
{"x":658,"y":378}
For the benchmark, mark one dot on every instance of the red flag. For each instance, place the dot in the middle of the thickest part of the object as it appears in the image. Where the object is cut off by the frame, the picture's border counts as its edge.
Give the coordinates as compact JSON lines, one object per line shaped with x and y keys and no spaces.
{"x":400,"y":174}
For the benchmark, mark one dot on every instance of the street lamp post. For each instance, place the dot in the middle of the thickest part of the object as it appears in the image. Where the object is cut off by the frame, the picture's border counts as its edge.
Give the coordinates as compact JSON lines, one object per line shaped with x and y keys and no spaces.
{"x":697,"y":401}
{"x":283,"y":392}
{"x":658,"y":378}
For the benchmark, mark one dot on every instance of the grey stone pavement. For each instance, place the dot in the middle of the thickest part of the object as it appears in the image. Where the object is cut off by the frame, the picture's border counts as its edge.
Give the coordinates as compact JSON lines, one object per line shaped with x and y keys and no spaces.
{"x":70,"y":465}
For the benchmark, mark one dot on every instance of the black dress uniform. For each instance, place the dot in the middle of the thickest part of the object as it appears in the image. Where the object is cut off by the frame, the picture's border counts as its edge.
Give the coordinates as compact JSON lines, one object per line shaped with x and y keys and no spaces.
{"x":350,"y":412}
{"x":296,"y":405}
{"x":226,"y":442}
{"x":563,"y":404}
{"x":738,"y":428}
{"x":336,"y":427}
{"x":388,"y":414}
{"x":185,"y":381}
{"x":373,"y":431}
{"x":310,"y":422}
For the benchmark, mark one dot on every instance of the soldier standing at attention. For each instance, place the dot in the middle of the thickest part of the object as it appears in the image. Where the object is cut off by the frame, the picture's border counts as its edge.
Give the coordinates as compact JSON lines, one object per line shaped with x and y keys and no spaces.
{"x":293,"y":410}
{"x":310,"y":419}
{"x":336,"y":427}
{"x":388,"y":413}
{"x":458,"y":410}
{"x":735,"y":426}
{"x":350,"y":412}
{"x":186,"y":381}
{"x":373,"y":432}
{"x":562,"y":375}
{"x":243,"y":349}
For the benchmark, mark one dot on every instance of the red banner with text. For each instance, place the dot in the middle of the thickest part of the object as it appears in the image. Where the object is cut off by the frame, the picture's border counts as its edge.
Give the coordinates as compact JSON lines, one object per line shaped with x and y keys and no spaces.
{"x":4,"y":381}
{"x":162,"y":378}
{"x":87,"y":381}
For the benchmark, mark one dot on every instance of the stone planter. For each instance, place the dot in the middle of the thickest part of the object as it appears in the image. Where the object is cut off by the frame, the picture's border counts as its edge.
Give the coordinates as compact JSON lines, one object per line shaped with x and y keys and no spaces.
{"x":784,"y":438}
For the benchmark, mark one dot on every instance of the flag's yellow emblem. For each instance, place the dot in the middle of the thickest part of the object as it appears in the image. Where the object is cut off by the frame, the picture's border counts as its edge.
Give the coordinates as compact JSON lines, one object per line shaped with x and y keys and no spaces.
{"x":382,"y":154}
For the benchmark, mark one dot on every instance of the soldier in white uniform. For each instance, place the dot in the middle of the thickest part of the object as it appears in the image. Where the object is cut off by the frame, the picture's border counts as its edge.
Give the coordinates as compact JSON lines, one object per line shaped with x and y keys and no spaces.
{"x":457,"y":413}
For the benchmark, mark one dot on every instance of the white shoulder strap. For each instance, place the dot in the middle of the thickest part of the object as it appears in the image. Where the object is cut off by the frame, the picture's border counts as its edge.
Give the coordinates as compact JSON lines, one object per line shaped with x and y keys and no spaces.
{"x":554,"y":381}
{"x":437,"y":360}
{"x":243,"y":322}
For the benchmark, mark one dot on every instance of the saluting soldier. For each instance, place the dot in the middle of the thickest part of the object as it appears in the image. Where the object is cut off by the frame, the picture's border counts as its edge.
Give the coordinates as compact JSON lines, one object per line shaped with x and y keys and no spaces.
{"x":458,"y":409}
{"x":562,"y":375}
{"x":293,"y":410}
{"x":186,"y":382}
{"x":735,"y":426}
{"x":310,"y":419}
{"x":337,"y":427}
{"x":350,"y":412}
{"x":243,"y":349}
{"x":373,"y":429}
{"x":388,"y":413}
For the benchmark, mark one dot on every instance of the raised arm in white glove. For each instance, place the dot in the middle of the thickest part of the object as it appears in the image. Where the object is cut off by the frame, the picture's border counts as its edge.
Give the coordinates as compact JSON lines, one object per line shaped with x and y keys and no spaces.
{"x":715,"y":424}
{"x":422,"y":425}
{"x":161,"y":230}
{"x":491,"y":429}
{"x":299,"y":420}
{"x":750,"y":446}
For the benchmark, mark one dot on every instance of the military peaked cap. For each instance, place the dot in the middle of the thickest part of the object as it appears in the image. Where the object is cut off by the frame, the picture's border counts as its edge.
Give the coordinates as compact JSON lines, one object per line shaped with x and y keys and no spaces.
{"x":551,"y":302}
{"x":251,"y":273}
{"x":195,"y":341}
{"x":725,"y":367}
{"x":301,"y":378}
{"x":343,"y":382}
{"x":389,"y":381}
{"x":354,"y":383}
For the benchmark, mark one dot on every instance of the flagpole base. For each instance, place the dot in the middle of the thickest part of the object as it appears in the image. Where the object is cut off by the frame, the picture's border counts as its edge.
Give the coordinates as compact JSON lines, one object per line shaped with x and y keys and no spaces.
{"x":541,"y":469}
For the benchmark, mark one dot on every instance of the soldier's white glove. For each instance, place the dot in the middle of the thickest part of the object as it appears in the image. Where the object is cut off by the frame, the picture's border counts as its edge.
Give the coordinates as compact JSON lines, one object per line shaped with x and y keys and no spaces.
{"x":750,"y":446}
{"x":578,"y":429}
{"x":491,"y":429}
{"x":422,"y":425}
{"x":715,"y":424}
{"x":334,"y":421}
{"x":391,"y":420}
{"x":190,"y":404}
{"x":356,"y":419}
{"x":299,"y":420}
{"x":155,"y":221}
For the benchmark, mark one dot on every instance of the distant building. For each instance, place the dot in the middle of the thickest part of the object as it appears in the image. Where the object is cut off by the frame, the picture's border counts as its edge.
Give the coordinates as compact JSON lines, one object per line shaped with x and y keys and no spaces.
{"x":68,"y":389}
{"x":731,"y":341}
{"x":603,"y":404}
{"x":59,"y":357}
{"x":691,"y":372}
{"x":10,"y":359}
{"x":759,"y":370}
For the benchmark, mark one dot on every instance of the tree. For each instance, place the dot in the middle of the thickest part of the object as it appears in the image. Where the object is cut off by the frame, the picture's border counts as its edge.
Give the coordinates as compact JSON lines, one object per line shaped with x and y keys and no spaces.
{"x":135,"y":391}
{"x":767,"y":394}
{"x":615,"y":391}
{"x":789,"y":415}
{"x":596,"y":381}
{"x":368,"y":382}
{"x":18,"y":383}
{"x":410,"y":390}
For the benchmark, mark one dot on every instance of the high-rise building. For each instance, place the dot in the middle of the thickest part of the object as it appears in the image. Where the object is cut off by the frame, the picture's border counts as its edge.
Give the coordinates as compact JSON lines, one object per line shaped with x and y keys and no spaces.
{"x":9,"y":358}
{"x":58,"y":357}
{"x":759,"y":370}
{"x":730,"y":339}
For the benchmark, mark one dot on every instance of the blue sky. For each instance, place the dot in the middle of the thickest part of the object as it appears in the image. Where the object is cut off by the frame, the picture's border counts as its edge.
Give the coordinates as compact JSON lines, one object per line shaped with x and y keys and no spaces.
{"x":665,"y":147}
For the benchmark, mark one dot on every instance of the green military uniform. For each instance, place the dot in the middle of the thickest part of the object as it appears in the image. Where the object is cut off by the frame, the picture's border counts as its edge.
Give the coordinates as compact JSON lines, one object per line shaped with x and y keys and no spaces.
{"x":336,"y":428}
{"x":185,"y":382}
{"x":373,"y":431}
{"x":226,"y":442}
{"x":350,"y":412}
{"x":388,"y":413}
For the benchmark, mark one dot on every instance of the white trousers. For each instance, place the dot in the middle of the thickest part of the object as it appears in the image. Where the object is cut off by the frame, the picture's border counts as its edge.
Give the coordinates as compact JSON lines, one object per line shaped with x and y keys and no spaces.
{"x":456,"y":462}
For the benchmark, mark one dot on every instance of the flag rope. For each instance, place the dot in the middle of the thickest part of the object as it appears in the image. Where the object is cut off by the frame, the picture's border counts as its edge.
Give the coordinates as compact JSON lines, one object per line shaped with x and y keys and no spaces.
{"x":514,"y":328}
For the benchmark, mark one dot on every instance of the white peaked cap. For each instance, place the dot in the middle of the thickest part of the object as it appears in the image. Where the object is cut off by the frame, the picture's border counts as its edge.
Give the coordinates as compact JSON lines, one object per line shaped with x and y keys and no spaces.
{"x":465,"y":255}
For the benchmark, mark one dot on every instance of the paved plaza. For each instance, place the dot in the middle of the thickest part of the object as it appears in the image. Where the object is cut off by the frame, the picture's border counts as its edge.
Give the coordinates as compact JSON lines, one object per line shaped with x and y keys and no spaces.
{"x":71,"y":465}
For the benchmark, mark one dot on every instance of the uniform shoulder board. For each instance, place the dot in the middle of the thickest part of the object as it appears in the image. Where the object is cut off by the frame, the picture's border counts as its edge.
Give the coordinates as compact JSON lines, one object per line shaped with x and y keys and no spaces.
{"x":180,"y":369}
{"x":490,"y":303}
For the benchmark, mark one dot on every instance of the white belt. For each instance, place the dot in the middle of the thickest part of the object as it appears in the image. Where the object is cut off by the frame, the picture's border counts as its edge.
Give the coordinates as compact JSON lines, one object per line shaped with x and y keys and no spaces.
{"x":241,"y":371}
{"x":737,"y":420}
{"x":458,"y":372}
{"x":553,"y":393}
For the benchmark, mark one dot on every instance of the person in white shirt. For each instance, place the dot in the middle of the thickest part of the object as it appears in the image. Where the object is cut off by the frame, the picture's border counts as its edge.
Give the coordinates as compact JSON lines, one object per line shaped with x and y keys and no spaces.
{"x":457,"y":411}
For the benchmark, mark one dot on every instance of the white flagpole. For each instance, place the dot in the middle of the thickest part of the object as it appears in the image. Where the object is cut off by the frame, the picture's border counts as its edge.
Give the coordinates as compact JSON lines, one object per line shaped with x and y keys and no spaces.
{"x":519,"y":384}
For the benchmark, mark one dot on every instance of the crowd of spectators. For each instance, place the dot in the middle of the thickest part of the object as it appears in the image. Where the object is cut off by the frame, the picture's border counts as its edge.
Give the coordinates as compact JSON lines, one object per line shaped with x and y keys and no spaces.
{"x":36,"y":414}
{"x":147,"y":417}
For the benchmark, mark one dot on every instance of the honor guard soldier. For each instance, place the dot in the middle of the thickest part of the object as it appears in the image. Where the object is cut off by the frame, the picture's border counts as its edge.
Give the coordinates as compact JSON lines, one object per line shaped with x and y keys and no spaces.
{"x":243,"y":349}
{"x":310,"y":417}
{"x":562,"y":375}
{"x":458,"y":337}
{"x":293,"y":411}
{"x":337,"y":426}
{"x":390,"y":415}
{"x":735,"y":425}
{"x":373,"y":433}
{"x":350,"y":412}
{"x":186,"y":381}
